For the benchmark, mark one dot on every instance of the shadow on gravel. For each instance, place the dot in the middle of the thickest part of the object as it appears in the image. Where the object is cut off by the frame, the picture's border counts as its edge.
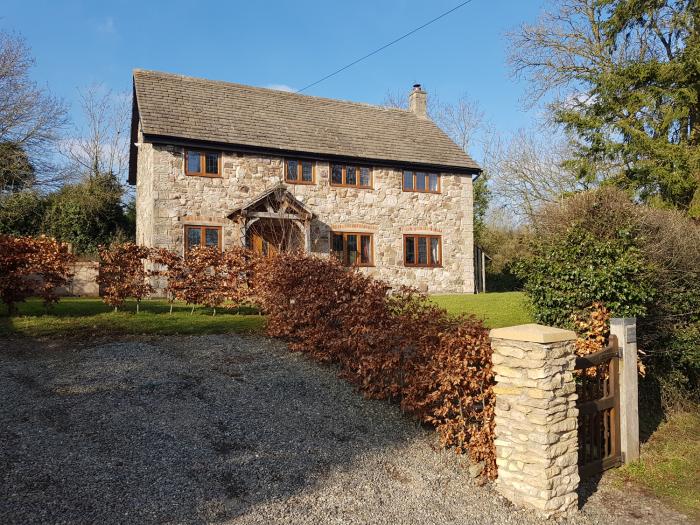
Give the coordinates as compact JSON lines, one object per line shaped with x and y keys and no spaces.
{"x":176,"y":429}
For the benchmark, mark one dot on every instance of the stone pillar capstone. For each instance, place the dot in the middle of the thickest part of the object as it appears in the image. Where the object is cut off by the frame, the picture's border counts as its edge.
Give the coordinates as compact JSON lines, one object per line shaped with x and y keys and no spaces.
{"x":536,"y":417}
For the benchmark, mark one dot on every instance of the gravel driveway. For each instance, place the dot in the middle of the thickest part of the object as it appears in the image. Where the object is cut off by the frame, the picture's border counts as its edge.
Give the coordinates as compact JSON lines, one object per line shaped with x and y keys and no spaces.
{"x":223,"y":429}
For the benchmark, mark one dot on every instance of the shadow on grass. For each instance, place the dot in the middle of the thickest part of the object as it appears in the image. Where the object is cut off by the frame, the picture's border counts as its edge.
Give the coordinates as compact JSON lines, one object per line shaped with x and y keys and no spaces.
{"x":85,"y":307}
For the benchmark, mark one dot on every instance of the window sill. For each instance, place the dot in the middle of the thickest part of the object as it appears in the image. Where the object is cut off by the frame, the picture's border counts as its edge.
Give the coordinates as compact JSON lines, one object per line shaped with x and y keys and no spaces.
{"x":351,"y":187}
{"x":204,"y":176}
{"x":422,"y":266}
{"x":303,"y":183}
{"x":420,"y":191}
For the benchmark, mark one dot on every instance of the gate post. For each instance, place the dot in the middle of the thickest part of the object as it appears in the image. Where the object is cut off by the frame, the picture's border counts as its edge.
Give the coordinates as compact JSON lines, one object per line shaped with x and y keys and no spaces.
{"x":625,"y":328}
{"x":536,"y":417}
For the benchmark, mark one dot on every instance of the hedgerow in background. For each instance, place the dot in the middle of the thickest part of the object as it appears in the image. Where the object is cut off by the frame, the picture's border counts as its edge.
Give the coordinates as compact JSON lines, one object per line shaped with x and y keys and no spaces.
{"x":122,"y":273}
{"x":636,"y":260}
{"x":396,"y":346}
{"x":32,"y":266}
{"x":22,"y":213}
{"x":88,"y":214}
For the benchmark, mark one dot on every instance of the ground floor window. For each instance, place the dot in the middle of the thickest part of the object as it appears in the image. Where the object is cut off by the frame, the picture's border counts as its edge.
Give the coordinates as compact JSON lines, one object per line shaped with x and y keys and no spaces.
{"x":353,"y":249}
{"x":422,"y":250}
{"x":202,"y":236}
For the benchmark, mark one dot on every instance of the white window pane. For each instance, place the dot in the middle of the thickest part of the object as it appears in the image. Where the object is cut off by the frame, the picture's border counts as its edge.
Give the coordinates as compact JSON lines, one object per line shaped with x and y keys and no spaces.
{"x":435,"y":251}
{"x":433,"y":182}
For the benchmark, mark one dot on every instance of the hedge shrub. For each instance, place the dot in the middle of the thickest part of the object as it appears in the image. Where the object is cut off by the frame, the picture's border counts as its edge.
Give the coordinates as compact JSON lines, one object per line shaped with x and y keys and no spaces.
{"x":392,"y":344}
{"x":32,"y":266}
{"x":638,"y":261}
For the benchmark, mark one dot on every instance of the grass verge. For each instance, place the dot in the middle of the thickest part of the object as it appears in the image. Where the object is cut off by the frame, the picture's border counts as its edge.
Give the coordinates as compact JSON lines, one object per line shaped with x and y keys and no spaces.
{"x":669,"y":466}
{"x":89,"y":317}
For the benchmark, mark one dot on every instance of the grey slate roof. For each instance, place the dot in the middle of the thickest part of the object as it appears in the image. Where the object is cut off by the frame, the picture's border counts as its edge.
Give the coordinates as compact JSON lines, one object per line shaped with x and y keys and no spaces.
{"x":226,"y":113}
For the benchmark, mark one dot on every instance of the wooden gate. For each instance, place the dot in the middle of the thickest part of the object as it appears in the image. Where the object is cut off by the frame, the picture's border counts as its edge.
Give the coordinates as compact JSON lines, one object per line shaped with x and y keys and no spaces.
{"x":598,"y":389}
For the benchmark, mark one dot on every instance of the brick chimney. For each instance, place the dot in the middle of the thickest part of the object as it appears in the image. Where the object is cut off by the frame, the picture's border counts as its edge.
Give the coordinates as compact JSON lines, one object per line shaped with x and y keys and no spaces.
{"x":417,"y":101}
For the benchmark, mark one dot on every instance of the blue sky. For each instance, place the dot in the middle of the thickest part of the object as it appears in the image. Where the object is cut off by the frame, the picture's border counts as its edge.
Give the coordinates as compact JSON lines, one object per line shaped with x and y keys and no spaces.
{"x":290,"y":43}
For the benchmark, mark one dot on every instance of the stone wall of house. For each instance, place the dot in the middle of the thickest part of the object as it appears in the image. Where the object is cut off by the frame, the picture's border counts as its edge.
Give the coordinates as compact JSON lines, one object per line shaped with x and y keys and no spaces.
{"x":167,"y":200}
{"x":145,"y":196}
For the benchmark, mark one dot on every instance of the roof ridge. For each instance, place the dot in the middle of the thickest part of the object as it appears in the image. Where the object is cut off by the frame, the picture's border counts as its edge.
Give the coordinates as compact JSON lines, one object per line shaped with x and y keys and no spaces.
{"x":273,"y":91}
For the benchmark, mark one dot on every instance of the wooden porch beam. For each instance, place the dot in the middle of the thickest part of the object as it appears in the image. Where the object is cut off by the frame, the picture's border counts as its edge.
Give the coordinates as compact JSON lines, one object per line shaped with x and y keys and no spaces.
{"x":274,"y":215}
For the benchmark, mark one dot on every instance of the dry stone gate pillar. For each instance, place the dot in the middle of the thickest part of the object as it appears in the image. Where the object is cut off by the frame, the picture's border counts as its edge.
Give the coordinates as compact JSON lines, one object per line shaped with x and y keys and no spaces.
{"x":536,"y":417}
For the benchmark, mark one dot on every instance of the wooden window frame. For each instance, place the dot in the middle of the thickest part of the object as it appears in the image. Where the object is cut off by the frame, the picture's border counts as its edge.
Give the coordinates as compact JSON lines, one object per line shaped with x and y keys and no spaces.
{"x":345,"y":262}
{"x":202,"y":228}
{"x":299,"y":179}
{"x":427,"y":182}
{"x":344,"y":184}
{"x":428,"y":237}
{"x":203,"y":163}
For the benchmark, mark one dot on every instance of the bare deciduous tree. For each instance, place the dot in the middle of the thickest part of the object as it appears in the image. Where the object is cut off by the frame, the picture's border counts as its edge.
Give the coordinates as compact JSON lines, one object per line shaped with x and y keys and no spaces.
{"x":30,"y":118}
{"x":527,"y":171}
{"x":461,"y":121}
{"x":101,"y":145}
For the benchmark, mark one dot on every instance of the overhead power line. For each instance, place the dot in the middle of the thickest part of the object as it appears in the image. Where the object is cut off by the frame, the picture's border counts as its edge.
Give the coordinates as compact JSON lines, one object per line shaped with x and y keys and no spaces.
{"x":384,"y":46}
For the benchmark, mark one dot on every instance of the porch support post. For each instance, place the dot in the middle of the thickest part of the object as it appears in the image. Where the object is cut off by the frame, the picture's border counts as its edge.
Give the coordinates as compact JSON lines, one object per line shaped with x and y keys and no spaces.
{"x":307,"y":235}
{"x":626,"y":331}
{"x":536,"y":417}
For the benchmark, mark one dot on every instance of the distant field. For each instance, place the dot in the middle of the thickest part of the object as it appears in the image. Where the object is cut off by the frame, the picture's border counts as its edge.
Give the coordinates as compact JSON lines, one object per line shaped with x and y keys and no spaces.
{"x":497,"y":309}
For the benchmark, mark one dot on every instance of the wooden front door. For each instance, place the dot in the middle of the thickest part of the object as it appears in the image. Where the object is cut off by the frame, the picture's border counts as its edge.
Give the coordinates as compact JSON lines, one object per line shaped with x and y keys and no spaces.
{"x":271,"y":236}
{"x":261,"y":245}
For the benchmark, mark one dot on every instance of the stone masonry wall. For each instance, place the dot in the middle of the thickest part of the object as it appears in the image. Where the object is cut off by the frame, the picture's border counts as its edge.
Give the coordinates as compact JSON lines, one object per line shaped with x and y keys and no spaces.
{"x":167,"y":200}
{"x":536,"y":417}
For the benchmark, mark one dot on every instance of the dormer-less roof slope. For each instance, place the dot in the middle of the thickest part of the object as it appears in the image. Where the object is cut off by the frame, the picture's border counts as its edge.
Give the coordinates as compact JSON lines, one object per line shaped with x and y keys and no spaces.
{"x":192,"y":109}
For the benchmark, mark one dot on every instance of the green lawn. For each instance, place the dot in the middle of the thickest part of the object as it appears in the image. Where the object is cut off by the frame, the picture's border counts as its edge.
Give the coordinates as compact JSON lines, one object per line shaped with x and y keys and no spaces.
{"x":85,"y":317}
{"x":669,"y":465}
{"x":497,"y":309}
{"x":81,"y":317}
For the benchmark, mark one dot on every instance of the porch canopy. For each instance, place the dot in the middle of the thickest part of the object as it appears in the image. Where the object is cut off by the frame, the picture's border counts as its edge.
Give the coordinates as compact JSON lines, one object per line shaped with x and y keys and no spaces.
{"x":277,"y":208}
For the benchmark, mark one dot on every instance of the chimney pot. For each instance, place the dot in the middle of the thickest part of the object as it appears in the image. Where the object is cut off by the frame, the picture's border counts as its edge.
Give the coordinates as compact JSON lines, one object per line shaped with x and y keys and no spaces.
{"x":418,"y":101}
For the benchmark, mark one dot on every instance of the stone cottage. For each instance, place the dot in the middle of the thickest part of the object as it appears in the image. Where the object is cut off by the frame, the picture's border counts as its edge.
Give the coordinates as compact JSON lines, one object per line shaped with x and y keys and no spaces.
{"x":222,"y":164}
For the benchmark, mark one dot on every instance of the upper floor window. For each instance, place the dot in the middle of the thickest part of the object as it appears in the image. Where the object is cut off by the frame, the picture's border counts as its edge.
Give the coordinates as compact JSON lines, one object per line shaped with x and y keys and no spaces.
{"x":202,"y":236}
{"x":299,"y":171}
{"x":202,"y":163}
{"x":421,"y":182}
{"x":353,"y":249}
{"x":422,"y":250}
{"x":352,"y":176}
